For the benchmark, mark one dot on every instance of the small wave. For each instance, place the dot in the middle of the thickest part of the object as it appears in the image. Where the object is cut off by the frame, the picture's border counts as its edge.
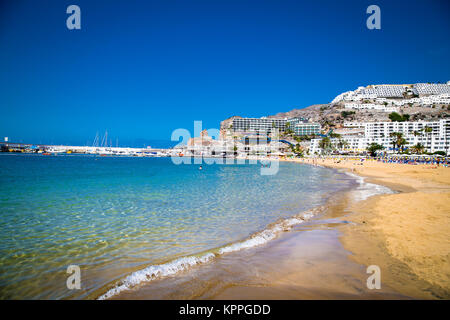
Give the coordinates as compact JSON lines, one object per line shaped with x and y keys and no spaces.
{"x":173,"y":267}
{"x":153,"y":272}
{"x":366,"y":190}
{"x":263,"y":236}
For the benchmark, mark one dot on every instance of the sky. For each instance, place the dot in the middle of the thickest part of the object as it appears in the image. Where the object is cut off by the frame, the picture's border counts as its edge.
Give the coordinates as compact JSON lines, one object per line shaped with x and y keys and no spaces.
{"x":141,"y":69}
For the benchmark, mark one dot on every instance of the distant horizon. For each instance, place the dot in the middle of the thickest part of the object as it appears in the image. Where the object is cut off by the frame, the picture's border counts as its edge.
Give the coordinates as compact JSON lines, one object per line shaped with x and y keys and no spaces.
{"x":141,"y":69}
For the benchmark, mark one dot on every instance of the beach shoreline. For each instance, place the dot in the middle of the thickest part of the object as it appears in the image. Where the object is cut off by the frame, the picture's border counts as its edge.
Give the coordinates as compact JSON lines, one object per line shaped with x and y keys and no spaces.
{"x":327,"y":257}
{"x":405,"y":233}
{"x":304,"y":262}
{"x":297,"y":264}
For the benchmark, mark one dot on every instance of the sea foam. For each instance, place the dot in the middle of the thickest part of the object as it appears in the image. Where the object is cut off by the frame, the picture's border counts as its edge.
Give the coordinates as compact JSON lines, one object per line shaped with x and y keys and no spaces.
{"x":154,"y":272}
{"x":366,"y":190}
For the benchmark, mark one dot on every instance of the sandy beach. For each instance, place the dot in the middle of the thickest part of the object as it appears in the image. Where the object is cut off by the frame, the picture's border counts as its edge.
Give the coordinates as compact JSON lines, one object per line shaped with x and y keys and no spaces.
{"x":405,"y":233}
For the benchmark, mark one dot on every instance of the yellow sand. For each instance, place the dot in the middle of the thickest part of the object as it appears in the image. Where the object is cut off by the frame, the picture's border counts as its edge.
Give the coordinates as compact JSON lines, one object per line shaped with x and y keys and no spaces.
{"x":413,"y":225}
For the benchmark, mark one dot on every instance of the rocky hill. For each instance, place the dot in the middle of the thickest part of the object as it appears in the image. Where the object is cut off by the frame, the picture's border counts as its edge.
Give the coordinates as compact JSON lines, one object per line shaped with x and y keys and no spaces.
{"x":330,"y":116}
{"x":226,"y":124}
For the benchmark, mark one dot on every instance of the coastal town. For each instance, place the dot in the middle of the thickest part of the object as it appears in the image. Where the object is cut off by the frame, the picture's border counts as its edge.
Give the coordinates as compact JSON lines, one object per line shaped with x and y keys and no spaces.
{"x":419,"y":124}
{"x":407,"y":119}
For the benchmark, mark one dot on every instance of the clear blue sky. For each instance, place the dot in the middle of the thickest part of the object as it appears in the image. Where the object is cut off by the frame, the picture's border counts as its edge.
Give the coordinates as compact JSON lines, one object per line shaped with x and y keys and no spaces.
{"x":141,"y":69}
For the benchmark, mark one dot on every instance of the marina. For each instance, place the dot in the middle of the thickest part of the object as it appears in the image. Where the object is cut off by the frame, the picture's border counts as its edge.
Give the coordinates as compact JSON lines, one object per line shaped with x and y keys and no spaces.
{"x":103,"y":151}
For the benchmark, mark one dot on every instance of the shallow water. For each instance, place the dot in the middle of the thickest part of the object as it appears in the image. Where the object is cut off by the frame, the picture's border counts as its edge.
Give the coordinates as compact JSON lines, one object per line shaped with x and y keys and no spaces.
{"x":113,"y":216}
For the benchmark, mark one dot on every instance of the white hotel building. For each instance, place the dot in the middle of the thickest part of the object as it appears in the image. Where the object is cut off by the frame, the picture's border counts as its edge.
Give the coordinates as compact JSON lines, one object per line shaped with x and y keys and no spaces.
{"x":370,"y":106}
{"x":379,"y":132}
{"x":424,"y":93}
{"x":299,"y":126}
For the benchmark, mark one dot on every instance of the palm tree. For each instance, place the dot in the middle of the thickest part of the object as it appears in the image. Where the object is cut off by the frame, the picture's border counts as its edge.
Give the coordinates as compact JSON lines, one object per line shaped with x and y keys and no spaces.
{"x":401,"y":142}
{"x":373,"y":148}
{"x":298,"y":150}
{"x":234,"y":144}
{"x":398,"y":140}
{"x":427,"y":129}
{"x":396,"y":136}
{"x":342,"y":144}
{"x":325,"y":144}
{"x":418,"y":148}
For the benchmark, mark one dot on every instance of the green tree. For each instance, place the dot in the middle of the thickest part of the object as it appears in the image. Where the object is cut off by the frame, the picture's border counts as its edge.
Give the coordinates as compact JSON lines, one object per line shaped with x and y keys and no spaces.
{"x":394,"y":116}
{"x":297,"y":150}
{"x":418,"y":148}
{"x":345,"y":114}
{"x":396,"y":138}
{"x":428,"y":131}
{"x":342,"y":144}
{"x":373,"y":148}
{"x":401,"y":142}
{"x":325,"y":144}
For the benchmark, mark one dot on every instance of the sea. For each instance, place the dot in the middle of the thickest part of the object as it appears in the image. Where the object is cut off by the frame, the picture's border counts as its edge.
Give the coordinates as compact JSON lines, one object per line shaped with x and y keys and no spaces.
{"x":125,"y":221}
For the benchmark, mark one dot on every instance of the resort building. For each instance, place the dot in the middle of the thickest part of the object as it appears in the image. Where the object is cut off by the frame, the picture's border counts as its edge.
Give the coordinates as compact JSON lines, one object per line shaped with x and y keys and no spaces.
{"x":436,"y":138}
{"x":258,"y":124}
{"x":432,"y":88}
{"x":384,"y":129}
{"x":385,"y":91}
{"x":306,"y":129}
{"x":398,"y":94}
{"x":443,"y":98}
{"x":354,"y":124}
{"x":299,"y":126}
{"x":370,"y":106}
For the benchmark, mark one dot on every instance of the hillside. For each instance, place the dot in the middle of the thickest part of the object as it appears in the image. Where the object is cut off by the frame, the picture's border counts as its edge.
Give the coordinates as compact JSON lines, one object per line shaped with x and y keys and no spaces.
{"x":335,"y":115}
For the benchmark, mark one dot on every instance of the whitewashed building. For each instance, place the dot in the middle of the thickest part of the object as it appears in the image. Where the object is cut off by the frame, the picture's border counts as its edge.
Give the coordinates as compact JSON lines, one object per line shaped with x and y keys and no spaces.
{"x":380,"y":132}
{"x":370,"y":106}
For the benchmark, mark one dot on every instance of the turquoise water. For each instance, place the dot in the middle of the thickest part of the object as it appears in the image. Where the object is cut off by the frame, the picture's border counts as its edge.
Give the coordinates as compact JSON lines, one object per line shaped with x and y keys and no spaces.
{"x":115,"y":215}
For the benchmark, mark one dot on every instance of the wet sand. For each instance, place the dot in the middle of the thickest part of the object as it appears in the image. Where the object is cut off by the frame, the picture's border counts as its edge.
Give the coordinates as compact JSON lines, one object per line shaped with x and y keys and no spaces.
{"x":307,"y":262}
{"x":405,"y":234}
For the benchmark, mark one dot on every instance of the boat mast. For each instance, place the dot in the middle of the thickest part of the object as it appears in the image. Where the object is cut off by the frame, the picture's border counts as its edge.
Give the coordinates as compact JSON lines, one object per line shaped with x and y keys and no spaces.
{"x":105,"y":139}
{"x":95,"y":143}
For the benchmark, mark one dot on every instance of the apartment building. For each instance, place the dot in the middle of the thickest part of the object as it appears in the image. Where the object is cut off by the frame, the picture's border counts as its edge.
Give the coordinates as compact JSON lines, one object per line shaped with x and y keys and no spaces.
{"x":258,"y":124}
{"x":438,"y":139}
{"x":370,"y":106}
{"x":299,"y":126}
{"x":398,"y":93}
